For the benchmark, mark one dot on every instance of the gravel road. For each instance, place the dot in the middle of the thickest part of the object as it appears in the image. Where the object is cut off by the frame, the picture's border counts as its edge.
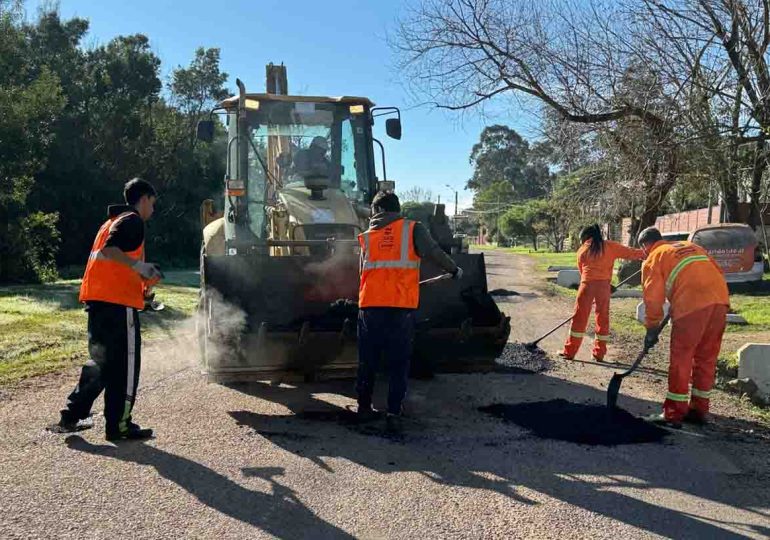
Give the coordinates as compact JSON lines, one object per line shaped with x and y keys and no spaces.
{"x":237,"y":461}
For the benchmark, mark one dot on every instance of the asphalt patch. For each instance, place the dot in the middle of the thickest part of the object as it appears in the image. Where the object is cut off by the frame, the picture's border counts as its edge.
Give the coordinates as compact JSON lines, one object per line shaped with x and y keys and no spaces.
{"x":503,"y":292}
{"x":523,"y":360}
{"x":578,"y":423}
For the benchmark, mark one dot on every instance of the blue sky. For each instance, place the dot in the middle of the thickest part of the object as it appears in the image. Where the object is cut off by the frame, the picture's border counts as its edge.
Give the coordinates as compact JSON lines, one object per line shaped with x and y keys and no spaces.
{"x":330,"y":48}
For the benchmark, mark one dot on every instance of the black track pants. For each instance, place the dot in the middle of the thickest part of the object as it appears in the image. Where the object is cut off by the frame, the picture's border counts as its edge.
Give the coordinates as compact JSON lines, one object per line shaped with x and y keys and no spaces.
{"x":114,"y":347}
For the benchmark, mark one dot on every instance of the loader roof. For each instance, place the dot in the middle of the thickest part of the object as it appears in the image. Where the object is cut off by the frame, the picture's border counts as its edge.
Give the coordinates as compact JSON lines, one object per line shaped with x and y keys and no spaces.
{"x":352,"y":100}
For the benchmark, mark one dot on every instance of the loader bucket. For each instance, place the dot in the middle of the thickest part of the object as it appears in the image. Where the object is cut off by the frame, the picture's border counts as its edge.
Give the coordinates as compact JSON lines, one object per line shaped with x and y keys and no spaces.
{"x":266,"y":317}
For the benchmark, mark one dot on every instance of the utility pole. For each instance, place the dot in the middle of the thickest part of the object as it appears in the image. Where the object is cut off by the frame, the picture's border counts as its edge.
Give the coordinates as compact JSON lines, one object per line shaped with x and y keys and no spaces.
{"x":454,"y":225}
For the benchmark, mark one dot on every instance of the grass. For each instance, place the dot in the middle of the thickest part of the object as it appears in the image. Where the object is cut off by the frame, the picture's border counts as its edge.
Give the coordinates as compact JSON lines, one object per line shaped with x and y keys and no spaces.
{"x":43,"y":327}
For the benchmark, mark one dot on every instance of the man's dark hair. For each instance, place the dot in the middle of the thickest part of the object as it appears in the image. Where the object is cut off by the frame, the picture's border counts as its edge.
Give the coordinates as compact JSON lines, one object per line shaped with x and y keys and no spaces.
{"x":136,"y":188}
{"x":385,"y":201}
{"x":650,"y":235}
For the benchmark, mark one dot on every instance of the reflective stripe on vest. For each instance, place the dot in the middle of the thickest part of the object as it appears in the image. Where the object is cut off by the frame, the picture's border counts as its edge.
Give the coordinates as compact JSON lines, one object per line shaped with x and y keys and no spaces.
{"x":387,"y":281}
{"x":109,"y":281}
{"x":403,"y":262}
{"x":678,"y":268}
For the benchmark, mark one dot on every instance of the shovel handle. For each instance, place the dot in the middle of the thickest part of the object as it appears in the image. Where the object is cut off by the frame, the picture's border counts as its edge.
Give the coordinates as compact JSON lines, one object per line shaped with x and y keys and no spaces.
{"x":614,"y":288}
{"x":440,"y":277}
{"x":645,"y":350}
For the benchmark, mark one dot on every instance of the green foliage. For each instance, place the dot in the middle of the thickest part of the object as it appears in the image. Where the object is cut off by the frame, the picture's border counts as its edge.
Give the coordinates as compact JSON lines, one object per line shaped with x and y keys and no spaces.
{"x":76,"y":124}
{"x":418,"y":211}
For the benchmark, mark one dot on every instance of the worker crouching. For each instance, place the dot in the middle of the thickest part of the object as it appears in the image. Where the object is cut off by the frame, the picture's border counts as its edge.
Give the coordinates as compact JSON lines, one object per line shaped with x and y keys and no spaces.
{"x":388,"y":296}
{"x":595,"y":259}
{"x":695,"y":287}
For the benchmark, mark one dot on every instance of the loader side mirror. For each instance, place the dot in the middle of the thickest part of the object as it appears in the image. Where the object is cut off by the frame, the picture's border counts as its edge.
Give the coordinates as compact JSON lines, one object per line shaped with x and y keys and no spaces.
{"x":393,"y":128}
{"x":205,"y":130}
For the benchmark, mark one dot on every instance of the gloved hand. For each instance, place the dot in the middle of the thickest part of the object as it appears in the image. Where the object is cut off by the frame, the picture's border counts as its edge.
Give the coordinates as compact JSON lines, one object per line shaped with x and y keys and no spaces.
{"x":458,"y":274}
{"x":651,"y":338}
{"x":147,"y":270}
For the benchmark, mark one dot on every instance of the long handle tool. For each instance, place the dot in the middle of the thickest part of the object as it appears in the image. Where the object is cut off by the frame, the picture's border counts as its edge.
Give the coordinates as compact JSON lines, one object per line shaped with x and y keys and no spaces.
{"x":440,"y":277}
{"x":613,"y":389}
{"x":533,"y":344}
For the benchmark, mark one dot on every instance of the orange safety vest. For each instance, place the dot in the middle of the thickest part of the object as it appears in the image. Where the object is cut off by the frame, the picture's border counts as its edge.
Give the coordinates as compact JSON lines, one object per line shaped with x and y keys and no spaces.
{"x":390,"y":267}
{"x":110,"y":281}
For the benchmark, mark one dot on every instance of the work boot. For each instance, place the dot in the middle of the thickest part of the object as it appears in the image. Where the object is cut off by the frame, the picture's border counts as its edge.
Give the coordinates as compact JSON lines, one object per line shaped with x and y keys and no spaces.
{"x":695,"y":417}
{"x":564,"y":356}
{"x":68,"y":425}
{"x":367,"y":414}
{"x":659,"y":419}
{"x":597,"y":359}
{"x":132,"y":433}
{"x":394,"y":424}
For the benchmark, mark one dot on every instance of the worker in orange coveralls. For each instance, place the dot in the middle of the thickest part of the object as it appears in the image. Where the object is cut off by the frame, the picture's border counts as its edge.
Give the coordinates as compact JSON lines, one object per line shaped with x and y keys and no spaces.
{"x":695,"y":287}
{"x":595,"y":259}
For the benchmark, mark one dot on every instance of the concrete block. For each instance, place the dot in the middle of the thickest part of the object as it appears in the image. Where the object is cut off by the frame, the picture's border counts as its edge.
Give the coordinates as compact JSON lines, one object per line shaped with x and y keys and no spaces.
{"x":568,"y":278}
{"x":557,"y":268}
{"x":754,"y":364}
{"x":627,"y":293}
{"x":734,"y":318}
{"x":641,"y":313}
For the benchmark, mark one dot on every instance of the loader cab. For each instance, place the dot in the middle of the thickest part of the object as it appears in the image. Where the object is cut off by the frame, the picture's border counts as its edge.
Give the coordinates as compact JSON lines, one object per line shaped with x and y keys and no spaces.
{"x":318,"y":146}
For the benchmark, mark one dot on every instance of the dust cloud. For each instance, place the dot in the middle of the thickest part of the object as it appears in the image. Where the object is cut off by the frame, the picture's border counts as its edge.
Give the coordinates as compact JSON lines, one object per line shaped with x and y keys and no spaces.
{"x":180,"y":349}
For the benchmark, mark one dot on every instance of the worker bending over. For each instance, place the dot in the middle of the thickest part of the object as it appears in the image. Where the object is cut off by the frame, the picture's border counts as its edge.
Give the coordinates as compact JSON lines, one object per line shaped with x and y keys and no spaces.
{"x":388,"y":296}
{"x":595,"y":259}
{"x":695,"y":287}
{"x":113,"y":291}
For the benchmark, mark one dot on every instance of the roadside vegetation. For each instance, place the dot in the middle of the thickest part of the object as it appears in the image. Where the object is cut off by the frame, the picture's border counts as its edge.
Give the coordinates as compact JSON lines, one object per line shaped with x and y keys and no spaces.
{"x":43,"y":327}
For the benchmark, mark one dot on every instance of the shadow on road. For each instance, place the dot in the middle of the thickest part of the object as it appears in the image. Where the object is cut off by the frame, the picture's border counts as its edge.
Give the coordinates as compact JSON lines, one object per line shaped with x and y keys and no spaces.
{"x":279,"y":513}
{"x":475,"y":454}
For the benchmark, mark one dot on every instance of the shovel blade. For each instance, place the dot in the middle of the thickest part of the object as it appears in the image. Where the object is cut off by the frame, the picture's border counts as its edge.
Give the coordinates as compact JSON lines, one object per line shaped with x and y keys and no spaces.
{"x":613,"y":389}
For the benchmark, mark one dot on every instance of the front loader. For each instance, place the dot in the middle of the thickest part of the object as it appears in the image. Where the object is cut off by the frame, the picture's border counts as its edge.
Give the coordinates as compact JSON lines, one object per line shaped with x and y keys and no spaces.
{"x":279,"y":265}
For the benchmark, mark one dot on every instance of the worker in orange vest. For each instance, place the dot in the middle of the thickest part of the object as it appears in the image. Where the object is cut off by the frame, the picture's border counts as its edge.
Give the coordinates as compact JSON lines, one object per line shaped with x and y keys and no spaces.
{"x":389,"y":293}
{"x":113,"y":291}
{"x":695,"y":287}
{"x":595,"y":259}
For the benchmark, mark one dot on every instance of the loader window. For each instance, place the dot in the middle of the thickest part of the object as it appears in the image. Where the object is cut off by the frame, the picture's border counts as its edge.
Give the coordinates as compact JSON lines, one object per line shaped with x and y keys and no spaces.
{"x":290,"y":142}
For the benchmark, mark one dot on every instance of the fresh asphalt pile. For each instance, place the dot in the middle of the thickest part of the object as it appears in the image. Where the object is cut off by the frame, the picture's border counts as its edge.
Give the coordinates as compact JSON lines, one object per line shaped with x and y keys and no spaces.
{"x":578,"y":423}
{"x":519,"y":357}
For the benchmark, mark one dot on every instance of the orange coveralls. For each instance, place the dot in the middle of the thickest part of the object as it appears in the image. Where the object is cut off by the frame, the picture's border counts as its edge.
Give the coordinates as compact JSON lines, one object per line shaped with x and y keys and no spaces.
{"x":595,"y":278}
{"x":696,"y":289}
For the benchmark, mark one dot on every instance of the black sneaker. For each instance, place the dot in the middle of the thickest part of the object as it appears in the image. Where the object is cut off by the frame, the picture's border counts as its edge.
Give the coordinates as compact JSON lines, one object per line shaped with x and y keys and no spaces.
{"x":394,"y":424}
{"x":132,"y":433}
{"x":67,"y":425}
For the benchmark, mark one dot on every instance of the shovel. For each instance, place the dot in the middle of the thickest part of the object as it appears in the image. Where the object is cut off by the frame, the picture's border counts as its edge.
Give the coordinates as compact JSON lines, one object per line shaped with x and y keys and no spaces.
{"x":533,"y":344}
{"x":613,"y":389}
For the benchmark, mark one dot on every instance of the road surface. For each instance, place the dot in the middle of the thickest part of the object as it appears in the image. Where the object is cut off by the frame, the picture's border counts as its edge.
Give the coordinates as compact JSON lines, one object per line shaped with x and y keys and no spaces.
{"x":236,"y":462}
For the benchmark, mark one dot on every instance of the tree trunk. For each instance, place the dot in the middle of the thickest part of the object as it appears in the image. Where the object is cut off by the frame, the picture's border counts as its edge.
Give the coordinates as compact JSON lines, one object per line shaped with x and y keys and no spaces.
{"x":760,"y":164}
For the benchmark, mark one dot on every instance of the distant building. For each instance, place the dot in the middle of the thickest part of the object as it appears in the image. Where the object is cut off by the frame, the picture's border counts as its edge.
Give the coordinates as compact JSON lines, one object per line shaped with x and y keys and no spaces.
{"x":687,"y":222}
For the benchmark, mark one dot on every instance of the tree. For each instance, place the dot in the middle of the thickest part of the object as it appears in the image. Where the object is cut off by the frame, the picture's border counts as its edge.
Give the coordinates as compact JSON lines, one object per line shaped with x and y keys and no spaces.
{"x":416,"y":194}
{"x":575,"y":59}
{"x":418,"y":211}
{"x":30,"y":102}
{"x":198,"y":87}
{"x":518,"y":222}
